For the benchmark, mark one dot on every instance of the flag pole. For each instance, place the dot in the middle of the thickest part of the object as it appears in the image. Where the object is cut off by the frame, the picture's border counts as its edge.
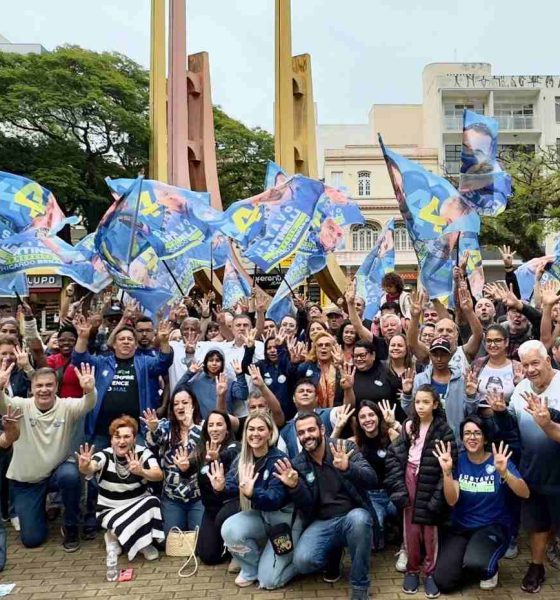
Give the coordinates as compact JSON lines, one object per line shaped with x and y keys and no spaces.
{"x":284,"y":280}
{"x":173,"y":276}
{"x":133,"y":226}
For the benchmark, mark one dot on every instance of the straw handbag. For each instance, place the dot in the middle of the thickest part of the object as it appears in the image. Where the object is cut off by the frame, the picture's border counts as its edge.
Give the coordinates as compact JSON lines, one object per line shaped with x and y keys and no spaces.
{"x":182,"y":543}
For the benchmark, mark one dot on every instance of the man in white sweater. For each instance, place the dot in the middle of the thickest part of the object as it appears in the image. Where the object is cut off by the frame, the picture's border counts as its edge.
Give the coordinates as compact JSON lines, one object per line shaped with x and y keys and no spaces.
{"x":39,"y":463}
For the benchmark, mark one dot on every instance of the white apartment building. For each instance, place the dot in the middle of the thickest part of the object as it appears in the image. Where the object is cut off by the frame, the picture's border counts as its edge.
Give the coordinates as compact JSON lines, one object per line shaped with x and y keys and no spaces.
{"x":528,"y":111}
{"x":7,"y":46}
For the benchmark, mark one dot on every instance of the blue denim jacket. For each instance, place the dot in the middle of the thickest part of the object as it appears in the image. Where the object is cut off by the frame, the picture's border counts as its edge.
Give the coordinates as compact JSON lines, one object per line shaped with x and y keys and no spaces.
{"x":148,"y":369}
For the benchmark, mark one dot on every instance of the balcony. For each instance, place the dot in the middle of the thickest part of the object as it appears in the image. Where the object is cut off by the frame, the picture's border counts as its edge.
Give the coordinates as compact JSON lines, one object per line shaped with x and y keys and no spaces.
{"x":515,"y":122}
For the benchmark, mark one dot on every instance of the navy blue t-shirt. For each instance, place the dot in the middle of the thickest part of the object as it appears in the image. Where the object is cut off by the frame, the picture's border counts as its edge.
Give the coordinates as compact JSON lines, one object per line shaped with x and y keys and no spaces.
{"x":441,"y":389}
{"x":482,"y":494}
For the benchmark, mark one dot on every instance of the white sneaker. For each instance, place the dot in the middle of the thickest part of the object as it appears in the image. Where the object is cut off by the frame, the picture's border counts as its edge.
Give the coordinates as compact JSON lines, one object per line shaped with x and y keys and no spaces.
{"x":150,"y":552}
{"x":512,"y":551}
{"x":402,"y":560}
{"x":15,"y":523}
{"x":489,"y":584}
{"x":112,"y":543}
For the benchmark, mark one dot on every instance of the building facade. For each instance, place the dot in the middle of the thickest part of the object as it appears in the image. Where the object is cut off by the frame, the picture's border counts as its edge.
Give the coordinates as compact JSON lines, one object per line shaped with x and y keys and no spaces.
{"x":527,"y":108}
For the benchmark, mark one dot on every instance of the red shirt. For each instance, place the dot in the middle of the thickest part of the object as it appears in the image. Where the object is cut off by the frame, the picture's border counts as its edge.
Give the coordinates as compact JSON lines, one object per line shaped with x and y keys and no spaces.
{"x":70,"y":385}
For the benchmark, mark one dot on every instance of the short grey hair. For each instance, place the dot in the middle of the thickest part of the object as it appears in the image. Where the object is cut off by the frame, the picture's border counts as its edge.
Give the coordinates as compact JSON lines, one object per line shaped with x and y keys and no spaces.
{"x":531,"y":345}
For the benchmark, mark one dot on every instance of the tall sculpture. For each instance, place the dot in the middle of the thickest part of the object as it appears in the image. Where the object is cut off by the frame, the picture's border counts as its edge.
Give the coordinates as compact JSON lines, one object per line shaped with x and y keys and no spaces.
{"x":295,"y":145}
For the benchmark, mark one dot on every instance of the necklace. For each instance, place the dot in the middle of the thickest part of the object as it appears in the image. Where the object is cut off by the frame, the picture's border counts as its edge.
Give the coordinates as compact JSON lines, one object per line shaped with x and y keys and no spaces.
{"x":121,"y":470}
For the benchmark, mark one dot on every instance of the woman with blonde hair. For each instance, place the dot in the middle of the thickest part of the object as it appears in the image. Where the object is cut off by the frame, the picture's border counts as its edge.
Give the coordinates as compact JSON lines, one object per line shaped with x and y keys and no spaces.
{"x":265,"y":507}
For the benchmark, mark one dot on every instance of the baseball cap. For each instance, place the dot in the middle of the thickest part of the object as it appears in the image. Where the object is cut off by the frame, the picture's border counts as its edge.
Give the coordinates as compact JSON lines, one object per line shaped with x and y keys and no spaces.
{"x":333,"y":310}
{"x":114,"y":310}
{"x":441,"y":344}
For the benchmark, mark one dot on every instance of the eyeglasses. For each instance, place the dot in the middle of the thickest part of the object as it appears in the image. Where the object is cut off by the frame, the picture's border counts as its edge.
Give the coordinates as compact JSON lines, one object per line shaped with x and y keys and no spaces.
{"x":494,"y":342}
{"x":472,"y":434}
{"x":360,"y":356}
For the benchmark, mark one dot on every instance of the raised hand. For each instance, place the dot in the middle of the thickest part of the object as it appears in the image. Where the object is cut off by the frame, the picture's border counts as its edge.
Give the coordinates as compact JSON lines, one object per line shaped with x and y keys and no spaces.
{"x":496,"y":401}
{"x":501,"y":457}
{"x":350,"y":293}
{"x":465,"y":299}
{"x":343,"y":415}
{"x":256,"y":376}
{"x":250,"y":338}
{"x":471,"y":383}
{"x":134,"y":465}
{"x":388,"y":412}
{"x":212,"y":451}
{"x":443,"y":453}
{"x":191,"y":340}
{"x":518,"y":373}
{"x":236,"y":366}
{"x":337,"y":355}
{"x":182,"y":460}
{"x":131,"y":310}
{"x":216,"y":476}
{"x":538,"y":409}
{"x":195,"y":367}
{"x":150,"y":419}
{"x":84,"y":456}
{"x":341,"y":456}
{"x":164,"y":331}
{"x":83,"y":326}
{"x":407,"y":380}
{"x":10,"y":423}
{"x":549,"y":293}
{"x":286,"y":473}
{"x":204,"y":306}
{"x":261,"y":302}
{"x":86,"y":377}
{"x":512,"y":301}
{"x":22,"y":359}
{"x":221,"y":385}
{"x":507,"y":256}
{"x":347,"y":373}
{"x":296,"y":350}
{"x":417,"y":301}
{"x":5,"y":372}
{"x":247,"y":478}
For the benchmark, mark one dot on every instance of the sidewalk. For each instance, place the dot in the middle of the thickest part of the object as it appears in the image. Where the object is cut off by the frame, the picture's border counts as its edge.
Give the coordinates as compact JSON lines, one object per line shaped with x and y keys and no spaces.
{"x":50,"y":573}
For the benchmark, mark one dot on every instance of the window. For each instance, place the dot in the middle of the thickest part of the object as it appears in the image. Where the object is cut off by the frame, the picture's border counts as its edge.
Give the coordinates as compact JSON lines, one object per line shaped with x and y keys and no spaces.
{"x":514,"y":116}
{"x":452,"y":158}
{"x":453,"y":114}
{"x":403,"y":242}
{"x":336,"y":179}
{"x":557,"y":108}
{"x":364,"y":183}
{"x":365,"y":236}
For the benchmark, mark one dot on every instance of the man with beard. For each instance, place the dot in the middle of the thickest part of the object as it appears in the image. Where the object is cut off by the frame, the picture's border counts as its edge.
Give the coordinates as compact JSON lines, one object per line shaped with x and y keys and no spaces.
{"x":328,"y":483}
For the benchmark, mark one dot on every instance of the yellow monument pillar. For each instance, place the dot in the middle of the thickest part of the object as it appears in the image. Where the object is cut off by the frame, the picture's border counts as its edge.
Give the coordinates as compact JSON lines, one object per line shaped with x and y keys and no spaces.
{"x":158,"y":94}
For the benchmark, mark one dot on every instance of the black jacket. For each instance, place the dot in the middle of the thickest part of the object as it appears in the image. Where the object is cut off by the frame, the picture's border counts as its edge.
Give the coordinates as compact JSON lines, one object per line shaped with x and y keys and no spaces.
{"x":356,"y":481}
{"x":430,"y":507}
{"x":212,"y":500}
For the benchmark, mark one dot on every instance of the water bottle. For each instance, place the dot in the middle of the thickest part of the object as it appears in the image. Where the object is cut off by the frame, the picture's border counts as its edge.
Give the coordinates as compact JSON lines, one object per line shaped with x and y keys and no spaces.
{"x":112,"y":570}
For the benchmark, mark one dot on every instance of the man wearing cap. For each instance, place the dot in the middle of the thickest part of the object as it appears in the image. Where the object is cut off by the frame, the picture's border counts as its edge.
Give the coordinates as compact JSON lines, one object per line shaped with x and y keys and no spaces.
{"x":447,"y":380}
{"x":335,"y":317}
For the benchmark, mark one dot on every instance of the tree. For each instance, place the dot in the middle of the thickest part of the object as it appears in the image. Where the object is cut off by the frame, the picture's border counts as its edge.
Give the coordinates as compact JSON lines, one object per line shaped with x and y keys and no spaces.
{"x":72,"y":117}
{"x":533,"y":210}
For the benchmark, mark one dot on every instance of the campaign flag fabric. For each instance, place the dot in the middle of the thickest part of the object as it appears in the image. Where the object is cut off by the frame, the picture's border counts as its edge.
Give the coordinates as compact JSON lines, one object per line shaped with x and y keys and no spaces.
{"x":526,"y":272}
{"x":483,"y":183}
{"x":379,"y":261}
{"x":235,"y":285}
{"x":101,"y":278}
{"x":469,"y":247}
{"x":10,"y":284}
{"x":435,"y":216}
{"x":25,"y":204}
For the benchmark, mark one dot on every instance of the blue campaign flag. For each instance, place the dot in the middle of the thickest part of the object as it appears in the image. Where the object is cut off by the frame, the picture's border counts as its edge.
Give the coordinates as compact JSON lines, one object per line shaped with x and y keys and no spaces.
{"x":10,"y":284}
{"x":526,"y":272}
{"x":379,"y":261}
{"x":25,"y":204}
{"x":235,"y":285}
{"x":483,"y":183}
{"x":469,"y":246}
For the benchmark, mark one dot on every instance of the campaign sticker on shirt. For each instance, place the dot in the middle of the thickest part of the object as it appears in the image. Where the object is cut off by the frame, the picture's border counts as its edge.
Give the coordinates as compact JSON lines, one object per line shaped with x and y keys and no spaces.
{"x":105,"y":373}
{"x":309,"y":373}
{"x":204,"y":469}
{"x":379,"y":383}
{"x":381,"y":453}
{"x":310,"y":477}
{"x":266,"y":474}
{"x":268,"y":380}
{"x":281,"y":379}
{"x":490,"y":469}
{"x":58,"y":423}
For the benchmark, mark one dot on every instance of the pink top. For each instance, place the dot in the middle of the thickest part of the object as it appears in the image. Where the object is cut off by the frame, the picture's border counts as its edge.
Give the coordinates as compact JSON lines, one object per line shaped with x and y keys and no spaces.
{"x":417,"y":445}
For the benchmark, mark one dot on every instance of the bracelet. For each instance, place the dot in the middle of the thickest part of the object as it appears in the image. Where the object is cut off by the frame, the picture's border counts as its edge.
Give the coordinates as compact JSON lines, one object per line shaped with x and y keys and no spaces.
{"x":506,"y":477}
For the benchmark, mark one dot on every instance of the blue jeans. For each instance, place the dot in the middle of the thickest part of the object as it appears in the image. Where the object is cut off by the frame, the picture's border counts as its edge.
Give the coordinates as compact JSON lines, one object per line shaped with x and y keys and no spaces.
{"x":383,"y":508}
{"x":187,"y":516}
{"x":246,"y":538}
{"x":321,"y":537}
{"x":2,"y":546}
{"x":29,"y":502}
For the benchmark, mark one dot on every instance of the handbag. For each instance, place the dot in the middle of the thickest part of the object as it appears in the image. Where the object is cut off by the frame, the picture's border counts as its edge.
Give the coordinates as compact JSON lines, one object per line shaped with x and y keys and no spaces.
{"x":280,"y":536}
{"x":183,"y":543}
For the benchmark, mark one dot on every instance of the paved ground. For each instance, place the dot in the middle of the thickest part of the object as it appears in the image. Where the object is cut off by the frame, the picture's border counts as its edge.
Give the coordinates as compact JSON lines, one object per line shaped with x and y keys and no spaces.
{"x":50,"y":573}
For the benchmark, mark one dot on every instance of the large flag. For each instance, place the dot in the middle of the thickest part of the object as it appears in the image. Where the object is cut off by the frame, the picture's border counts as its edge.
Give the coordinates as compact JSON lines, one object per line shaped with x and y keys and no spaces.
{"x":10,"y":284}
{"x":235,"y":285}
{"x":526,"y":272}
{"x":469,"y":247}
{"x":435,"y":216}
{"x":25,"y":204}
{"x":379,"y":261}
{"x":483,"y":183}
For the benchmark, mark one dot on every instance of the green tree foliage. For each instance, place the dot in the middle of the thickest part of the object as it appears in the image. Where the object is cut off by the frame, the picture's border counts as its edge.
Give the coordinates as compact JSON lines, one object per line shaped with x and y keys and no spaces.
{"x":72,"y":117}
{"x":534,"y":207}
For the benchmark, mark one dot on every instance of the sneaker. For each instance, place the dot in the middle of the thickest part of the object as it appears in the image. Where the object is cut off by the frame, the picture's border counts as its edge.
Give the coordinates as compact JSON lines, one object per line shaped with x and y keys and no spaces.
{"x":534,"y":578}
{"x":112,"y":543}
{"x":402,"y":560}
{"x":431,"y":589}
{"x":89,"y":533}
{"x":359,"y":594}
{"x":513,"y":550}
{"x":71,"y":538}
{"x":553,"y":554}
{"x":333,"y":572}
{"x":243,"y":583}
{"x":489,"y":584}
{"x":411,"y":582}
{"x":15,"y":523}
{"x":234,"y":566}
{"x":150,"y":553}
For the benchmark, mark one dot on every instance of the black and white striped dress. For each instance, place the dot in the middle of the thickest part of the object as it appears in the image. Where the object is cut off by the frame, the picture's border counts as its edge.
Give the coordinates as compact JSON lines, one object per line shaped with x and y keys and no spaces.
{"x":124,"y":504}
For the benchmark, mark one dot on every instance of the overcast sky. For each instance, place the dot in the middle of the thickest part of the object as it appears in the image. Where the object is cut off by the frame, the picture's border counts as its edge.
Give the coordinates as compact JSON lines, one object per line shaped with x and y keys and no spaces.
{"x":363,"y":51}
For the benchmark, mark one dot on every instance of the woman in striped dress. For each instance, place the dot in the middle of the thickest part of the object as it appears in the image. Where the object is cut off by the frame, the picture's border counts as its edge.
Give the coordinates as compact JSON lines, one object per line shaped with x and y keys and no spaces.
{"x":125,"y":507}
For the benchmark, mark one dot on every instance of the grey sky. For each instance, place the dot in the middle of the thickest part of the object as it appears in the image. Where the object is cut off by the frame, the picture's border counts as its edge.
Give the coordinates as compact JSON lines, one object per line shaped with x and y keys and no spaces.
{"x":363,"y":51}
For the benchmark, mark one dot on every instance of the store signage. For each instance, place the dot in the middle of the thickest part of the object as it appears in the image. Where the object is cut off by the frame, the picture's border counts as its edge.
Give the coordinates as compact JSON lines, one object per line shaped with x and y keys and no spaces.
{"x":44,"y":281}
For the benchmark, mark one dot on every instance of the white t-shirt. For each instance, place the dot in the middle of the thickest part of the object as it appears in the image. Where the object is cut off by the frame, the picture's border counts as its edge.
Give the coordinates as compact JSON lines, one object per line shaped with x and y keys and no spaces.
{"x":496,"y":380}
{"x":181,"y":362}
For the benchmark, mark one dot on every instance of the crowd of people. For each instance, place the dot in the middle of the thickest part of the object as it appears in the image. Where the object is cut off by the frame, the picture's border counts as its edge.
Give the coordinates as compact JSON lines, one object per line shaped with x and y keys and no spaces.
{"x":432,"y":429}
